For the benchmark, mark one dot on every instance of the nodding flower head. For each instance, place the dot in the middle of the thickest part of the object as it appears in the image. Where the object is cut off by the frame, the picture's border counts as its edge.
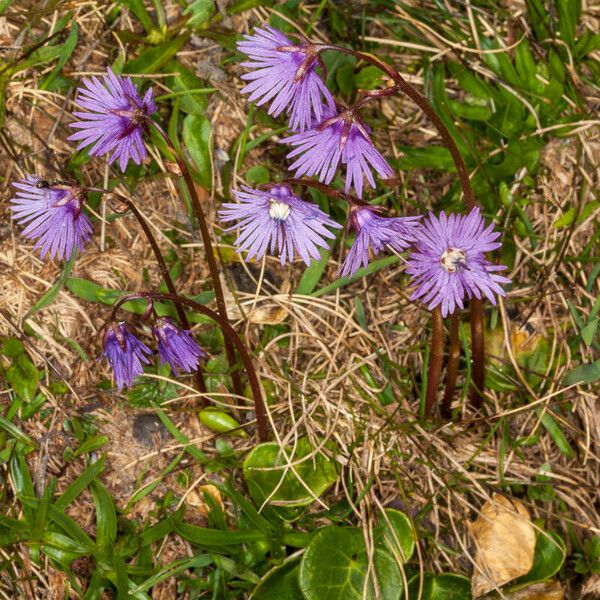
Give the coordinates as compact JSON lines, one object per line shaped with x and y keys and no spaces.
{"x":449,"y":264}
{"x":52,"y":213}
{"x":279,"y":218}
{"x":125,"y":352}
{"x":340,"y":137}
{"x":284,"y":74}
{"x":176,"y":346}
{"x":374,"y":233}
{"x":117,"y":118}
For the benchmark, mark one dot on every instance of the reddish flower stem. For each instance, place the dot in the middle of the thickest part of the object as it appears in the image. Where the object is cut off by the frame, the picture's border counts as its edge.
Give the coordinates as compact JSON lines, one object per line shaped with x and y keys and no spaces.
{"x":210,"y":256}
{"x":200,"y":382}
{"x":435,"y":360}
{"x":477,"y":330}
{"x":329,"y":191}
{"x":229,"y":333}
{"x":452,"y":368}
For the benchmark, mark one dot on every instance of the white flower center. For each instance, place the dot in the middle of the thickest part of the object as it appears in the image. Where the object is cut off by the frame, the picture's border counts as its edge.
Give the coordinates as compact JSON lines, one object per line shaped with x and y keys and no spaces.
{"x":278,"y":211}
{"x":452,"y":258}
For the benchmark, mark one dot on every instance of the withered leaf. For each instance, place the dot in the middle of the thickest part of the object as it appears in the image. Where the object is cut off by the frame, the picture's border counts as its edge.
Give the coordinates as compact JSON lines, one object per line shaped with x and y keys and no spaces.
{"x":505,"y":541}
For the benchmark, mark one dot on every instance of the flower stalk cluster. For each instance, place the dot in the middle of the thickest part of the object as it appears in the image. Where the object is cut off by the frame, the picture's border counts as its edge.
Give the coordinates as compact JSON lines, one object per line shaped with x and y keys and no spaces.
{"x":116,"y":121}
{"x":446,"y":260}
{"x":446,"y":254}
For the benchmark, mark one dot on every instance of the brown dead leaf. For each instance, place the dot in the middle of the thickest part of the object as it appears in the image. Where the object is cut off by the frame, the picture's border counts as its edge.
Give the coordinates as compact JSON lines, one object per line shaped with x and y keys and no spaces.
{"x":505,"y":541}
{"x":544,"y":590}
{"x":196,"y":498}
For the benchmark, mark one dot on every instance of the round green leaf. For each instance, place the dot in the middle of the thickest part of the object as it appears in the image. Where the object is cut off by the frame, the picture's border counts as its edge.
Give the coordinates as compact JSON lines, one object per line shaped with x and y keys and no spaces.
{"x":446,"y":586}
{"x":395,"y":531}
{"x":335,"y":566}
{"x":550,"y":552}
{"x":269,"y":477}
{"x":280,"y":583}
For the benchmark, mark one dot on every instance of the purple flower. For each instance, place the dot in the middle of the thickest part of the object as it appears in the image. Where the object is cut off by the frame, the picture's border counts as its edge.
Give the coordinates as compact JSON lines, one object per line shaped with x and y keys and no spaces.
{"x":125,"y":353}
{"x":53,"y":214}
{"x":285,"y":74}
{"x":376,"y":232}
{"x":117,"y":119}
{"x":341,"y":137}
{"x":449,"y":262}
{"x":176,"y":346}
{"x":281,"y":219}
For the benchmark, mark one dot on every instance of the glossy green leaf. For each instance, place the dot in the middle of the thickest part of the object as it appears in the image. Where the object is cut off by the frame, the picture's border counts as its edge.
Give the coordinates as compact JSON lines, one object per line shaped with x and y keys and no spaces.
{"x":42,"y":56}
{"x":152,"y":59}
{"x":395,"y":533}
{"x":588,"y":42}
{"x":12,"y":347}
{"x":429,"y":157}
{"x":106,"y":517}
{"x":67,"y":49}
{"x":258,"y":174}
{"x":211,"y":538}
{"x":197,"y":140}
{"x":60,"y":556}
{"x":373,"y":267}
{"x":80,"y":483}
{"x":280,"y":583}
{"x":583,"y":374}
{"x":23,"y":376}
{"x":270,"y":478}
{"x":173,"y":569}
{"x":368,"y":78}
{"x":83,"y":288}
{"x":551,"y":425}
{"x":199,"y":12}
{"x":93,"y":442}
{"x":4,"y":4}
{"x":188,"y":88}
{"x":50,"y":294}
{"x":588,"y":331}
{"x":550,"y":553}
{"x":335,"y":566}
{"x":235,"y":569}
{"x":64,"y":542}
{"x":568,"y":16}
{"x":313,"y":273}
{"x":16,"y":433}
{"x":526,"y":67}
{"x":446,"y":586}
{"x":344,"y":78}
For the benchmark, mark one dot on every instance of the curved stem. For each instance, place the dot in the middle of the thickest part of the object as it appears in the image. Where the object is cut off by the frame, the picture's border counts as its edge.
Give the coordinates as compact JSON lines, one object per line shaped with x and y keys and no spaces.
{"x":230,"y":333}
{"x":435,"y":360}
{"x":329,"y":191}
{"x":165,"y":274}
{"x":477,"y":330}
{"x":452,"y":368}
{"x":210,"y":256}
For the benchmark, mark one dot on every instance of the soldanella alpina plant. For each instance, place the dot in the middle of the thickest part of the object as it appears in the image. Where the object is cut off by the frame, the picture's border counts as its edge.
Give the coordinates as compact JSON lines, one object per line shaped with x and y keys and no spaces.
{"x":116,"y":121}
{"x":447,"y":254}
{"x":447,"y":260}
